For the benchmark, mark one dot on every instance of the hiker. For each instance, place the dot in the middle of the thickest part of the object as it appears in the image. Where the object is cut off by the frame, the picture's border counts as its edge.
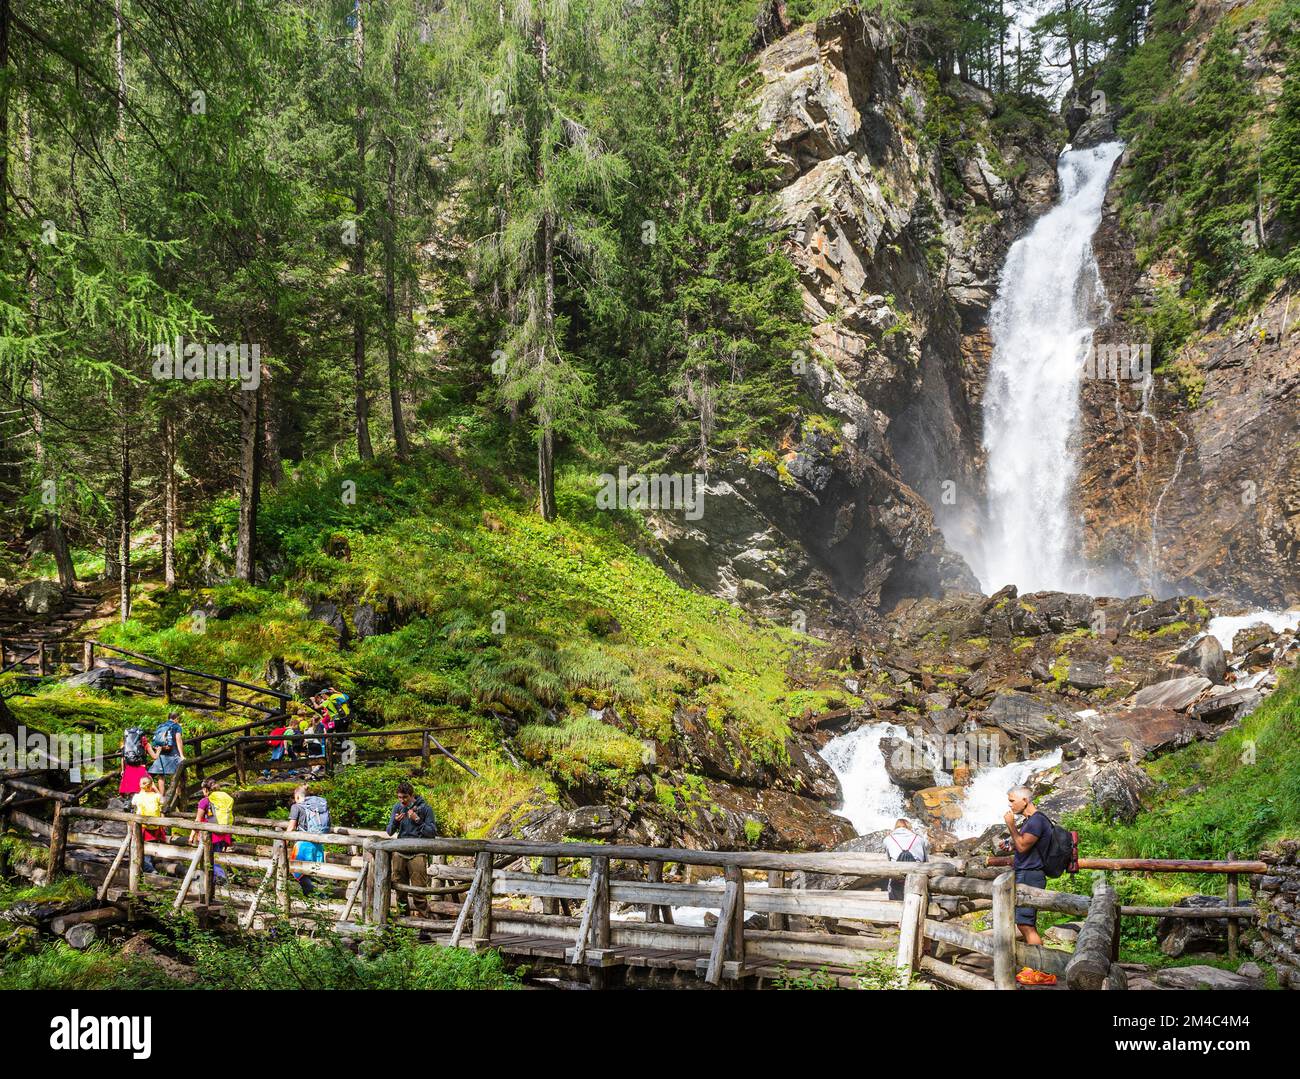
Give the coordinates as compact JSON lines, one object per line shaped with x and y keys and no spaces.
{"x":215,"y":807}
{"x":135,"y":760}
{"x":335,"y":709}
{"x":309,"y":813}
{"x":167,"y":748}
{"x":904,"y":845}
{"x":276,"y":742}
{"x":411,"y":819}
{"x":147,"y":802}
{"x":1027,"y":861}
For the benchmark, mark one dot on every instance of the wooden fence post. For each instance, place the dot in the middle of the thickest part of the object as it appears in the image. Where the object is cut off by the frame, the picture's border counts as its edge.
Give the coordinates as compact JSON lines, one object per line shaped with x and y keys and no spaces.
{"x":42,"y":664}
{"x":776,"y":879}
{"x":732,"y":897}
{"x":381,"y":882}
{"x":209,"y":868}
{"x":424,"y":752}
{"x":167,"y":684}
{"x":481,"y":931}
{"x":1004,"y":931}
{"x":223,"y":694}
{"x":736,"y":938}
{"x":551,"y":868}
{"x":135,"y":866}
{"x":368,"y":893}
{"x":1232,"y":902}
{"x":58,"y":843}
{"x":282,"y":875}
{"x":87,"y":655}
{"x":911,"y":927}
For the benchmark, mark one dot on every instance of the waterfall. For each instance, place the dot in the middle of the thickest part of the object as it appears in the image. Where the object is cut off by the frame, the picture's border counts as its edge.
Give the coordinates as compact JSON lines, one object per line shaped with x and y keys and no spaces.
{"x":1050,"y":298}
{"x":871,"y":801}
{"x":986,"y":797}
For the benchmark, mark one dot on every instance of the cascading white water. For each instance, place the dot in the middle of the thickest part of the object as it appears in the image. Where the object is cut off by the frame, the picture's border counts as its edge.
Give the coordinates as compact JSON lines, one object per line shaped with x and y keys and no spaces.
{"x":1050,"y":298}
{"x":986,"y":797}
{"x":871,"y":801}
{"x":1225,"y":627}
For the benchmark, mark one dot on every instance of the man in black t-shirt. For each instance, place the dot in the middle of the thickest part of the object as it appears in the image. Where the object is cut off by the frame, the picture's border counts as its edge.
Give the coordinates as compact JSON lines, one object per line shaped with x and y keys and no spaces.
{"x":1027,"y":861}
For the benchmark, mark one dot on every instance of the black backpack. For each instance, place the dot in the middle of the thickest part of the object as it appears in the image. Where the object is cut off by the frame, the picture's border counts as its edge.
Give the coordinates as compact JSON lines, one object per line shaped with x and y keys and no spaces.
{"x":1060,"y":849}
{"x":133,"y":751}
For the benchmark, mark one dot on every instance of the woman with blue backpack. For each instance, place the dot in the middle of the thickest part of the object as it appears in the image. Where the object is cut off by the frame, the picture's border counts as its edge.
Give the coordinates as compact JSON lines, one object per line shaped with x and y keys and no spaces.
{"x":167,"y":748}
{"x":309,"y":813}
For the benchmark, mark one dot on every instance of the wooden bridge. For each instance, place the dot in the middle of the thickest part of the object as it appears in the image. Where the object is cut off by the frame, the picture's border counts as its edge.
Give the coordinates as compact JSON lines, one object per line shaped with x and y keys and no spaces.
{"x":229,"y":750}
{"x":605,"y":913}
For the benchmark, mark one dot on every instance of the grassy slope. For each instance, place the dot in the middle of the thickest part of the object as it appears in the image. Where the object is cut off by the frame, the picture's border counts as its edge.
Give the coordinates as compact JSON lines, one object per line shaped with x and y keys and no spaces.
{"x":1236,"y":794}
{"x":586,"y":622}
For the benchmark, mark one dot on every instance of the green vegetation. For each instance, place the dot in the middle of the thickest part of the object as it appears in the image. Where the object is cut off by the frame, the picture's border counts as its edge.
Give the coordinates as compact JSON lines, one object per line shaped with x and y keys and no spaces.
{"x":391,"y":960}
{"x":1237,"y":793}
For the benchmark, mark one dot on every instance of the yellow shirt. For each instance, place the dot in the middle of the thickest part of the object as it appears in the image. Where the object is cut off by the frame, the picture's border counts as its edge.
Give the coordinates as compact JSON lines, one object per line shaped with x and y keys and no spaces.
{"x":147,"y":803}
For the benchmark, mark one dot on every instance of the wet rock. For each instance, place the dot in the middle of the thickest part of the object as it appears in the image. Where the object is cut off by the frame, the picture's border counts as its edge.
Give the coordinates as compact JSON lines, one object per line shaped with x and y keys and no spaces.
{"x":946,"y":720}
{"x":939,"y":806}
{"x":40,"y":597}
{"x":1206,"y":657}
{"x":907,"y":764}
{"x":552,"y":823}
{"x":1248,"y":639}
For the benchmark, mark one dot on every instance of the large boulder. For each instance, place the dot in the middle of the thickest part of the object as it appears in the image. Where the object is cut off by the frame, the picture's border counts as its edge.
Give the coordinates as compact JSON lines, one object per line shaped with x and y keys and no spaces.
{"x":1118,"y":789}
{"x":1176,"y":693}
{"x":1205,"y":656}
{"x":908,"y":765}
{"x":329,"y":613}
{"x":1130,"y":734}
{"x":939,"y":806}
{"x":1042,"y":722}
{"x":40,"y":597}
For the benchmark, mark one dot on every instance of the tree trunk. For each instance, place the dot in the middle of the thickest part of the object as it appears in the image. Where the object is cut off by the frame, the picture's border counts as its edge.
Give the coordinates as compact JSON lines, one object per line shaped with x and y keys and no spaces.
{"x":545,"y":433}
{"x":390,"y":305}
{"x":169,"y":499}
{"x":362,"y":403}
{"x":4,"y":118}
{"x":250,"y":458}
{"x":271,"y":456}
{"x":124,"y":530}
{"x":58,"y":543}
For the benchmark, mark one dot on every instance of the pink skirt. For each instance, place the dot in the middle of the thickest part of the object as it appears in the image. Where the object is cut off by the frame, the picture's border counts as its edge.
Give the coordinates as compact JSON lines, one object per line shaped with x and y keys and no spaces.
{"x":131,"y":776}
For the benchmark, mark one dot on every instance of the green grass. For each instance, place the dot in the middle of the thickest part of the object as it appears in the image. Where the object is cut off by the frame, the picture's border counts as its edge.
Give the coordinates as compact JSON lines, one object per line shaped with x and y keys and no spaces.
{"x":1237,"y":794}
{"x":501,"y":615}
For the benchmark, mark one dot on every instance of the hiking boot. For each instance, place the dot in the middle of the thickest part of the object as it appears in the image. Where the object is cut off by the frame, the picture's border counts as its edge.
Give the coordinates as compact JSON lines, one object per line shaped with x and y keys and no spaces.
{"x":1029,"y":976}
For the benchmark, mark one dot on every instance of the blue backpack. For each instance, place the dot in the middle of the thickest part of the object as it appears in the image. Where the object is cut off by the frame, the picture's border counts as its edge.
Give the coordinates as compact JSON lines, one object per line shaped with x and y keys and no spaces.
{"x":164,"y":738}
{"x":317,"y":814}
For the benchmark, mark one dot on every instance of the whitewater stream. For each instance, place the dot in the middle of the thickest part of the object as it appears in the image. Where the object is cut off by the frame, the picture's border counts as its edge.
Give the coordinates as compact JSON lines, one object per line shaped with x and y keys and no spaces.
{"x":1050,"y":299}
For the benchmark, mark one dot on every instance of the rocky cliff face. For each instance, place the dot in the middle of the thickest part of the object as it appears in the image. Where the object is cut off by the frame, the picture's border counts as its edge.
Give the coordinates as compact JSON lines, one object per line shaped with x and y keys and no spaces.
{"x":1194,"y":486}
{"x":898,"y":271}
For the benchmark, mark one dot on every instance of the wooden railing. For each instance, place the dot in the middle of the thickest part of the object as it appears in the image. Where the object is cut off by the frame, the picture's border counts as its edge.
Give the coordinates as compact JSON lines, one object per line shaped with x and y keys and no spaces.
{"x":608,"y":905}
{"x":332,"y":754}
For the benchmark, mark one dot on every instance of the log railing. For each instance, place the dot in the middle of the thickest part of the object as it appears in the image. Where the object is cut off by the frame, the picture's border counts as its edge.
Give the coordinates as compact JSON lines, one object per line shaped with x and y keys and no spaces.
{"x":332,"y":743}
{"x":605,"y":905}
